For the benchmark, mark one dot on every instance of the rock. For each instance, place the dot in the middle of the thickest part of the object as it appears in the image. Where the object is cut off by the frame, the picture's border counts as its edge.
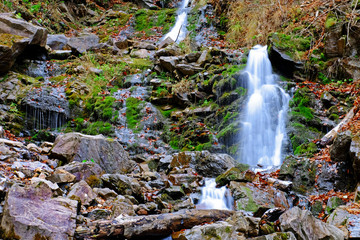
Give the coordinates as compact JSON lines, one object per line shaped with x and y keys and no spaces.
{"x":149,"y":226}
{"x":192,"y":57}
{"x":36,"y":35}
{"x":31,"y":213}
{"x":123,"y":185}
{"x":105,"y":193}
{"x":205,"y":163}
{"x":350,"y":68}
{"x":283,"y":63}
{"x":11,"y":143}
{"x":61,"y":176}
{"x":82,"y":192}
{"x":277,"y":236}
{"x":30,"y":168}
{"x":143,"y":45}
{"x":179,"y":179}
{"x":188,"y":69}
{"x":146,"y":4}
{"x":251,"y":198}
{"x":280,"y":184}
{"x":204,"y":58}
{"x":166,"y":42}
{"x":83,"y":170}
{"x":244,"y":224}
{"x":97,"y":71}
{"x":235,"y":174}
{"x":219,"y":230}
{"x":339,"y":150}
{"x":83,"y":43}
{"x":60,"y":54}
{"x":120,"y":207}
{"x":305,"y":226}
{"x":169,"y":63}
{"x":355,"y":154}
{"x":57,"y":42}
{"x":121,"y":42}
{"x":2,"y":132}
{"x":9,"y":52}
{"x":108,"y":153}
{"x":335,"y":42}
{"x":175,"y":192}
{"x":33,"y":147}
{"x":98,"y":214}
{"x":53,"y":186}
{"x":141,"y":53}
{"x":6,"y":153}
{"x":348,"y":222}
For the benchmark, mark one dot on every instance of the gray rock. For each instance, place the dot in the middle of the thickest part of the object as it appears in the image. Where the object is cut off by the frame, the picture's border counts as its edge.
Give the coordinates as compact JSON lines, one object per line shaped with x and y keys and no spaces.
{"x":36,"y":35}
{"x":143,"y":45}
{"x":121,"y":42}
{"x":8,"y":54}
{"x":188,"y":69}
{"x":166,"y":42}
{"x":30,"y":168}
{"x":339,"y":150}
{"x":108,"y":153}
{"x":204,"y":58}
{"x":6,"y":153}
{"x":277,"y":236}
{"x":192,"y":57}
{"x":11,"y":143}
{"x":82,"y":192}
{"x":105,"y":193}
{"x":31,"y":213}
{"x":98,"y":214}
{"x":57,"y":42}
{"x":122,"y":184}
{"x":335,"y":42}
{"x":305,"y":226}
{"x":83,"y":170}
{"x":61,"y":176}
{"x":219,"y":230}
{"x":53,"y":186}
{"x":120,"y":206}
{"x":83,"y":43}
{"x":205,"y":163}
{"x":141,"y":53}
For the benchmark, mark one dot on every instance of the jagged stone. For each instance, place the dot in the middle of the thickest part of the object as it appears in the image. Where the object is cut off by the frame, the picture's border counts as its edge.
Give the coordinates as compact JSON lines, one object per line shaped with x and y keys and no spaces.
{"x":31,"y":213}
{"x":108,"y":153}
{"x":82,"y":192}
{"x":122,"y":184}
{"x":83,"y":170}
{"x":61,"y":176}
{"x":83,"y":43}
{"x":57,"y":42}
{"x":339,"y":151}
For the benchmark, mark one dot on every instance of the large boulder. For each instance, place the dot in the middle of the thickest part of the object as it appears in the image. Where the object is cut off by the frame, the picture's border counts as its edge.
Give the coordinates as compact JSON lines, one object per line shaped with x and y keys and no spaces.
{"x":31,"y":213}
{"x":36,"y":35}
{"x":9,"y":51}
{"x":283,"y":63}
{"x":205,"y":163}
{"x":83,"y":43}
{"x":339,"y":151}
{"x":305,"y":226}
{"x":108,"y":153}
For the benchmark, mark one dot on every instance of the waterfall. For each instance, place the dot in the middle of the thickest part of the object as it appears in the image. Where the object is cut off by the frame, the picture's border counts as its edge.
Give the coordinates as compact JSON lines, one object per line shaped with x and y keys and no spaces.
{"x":215,"y":198}
{"x":264,"y":121}
{"x":178,"y":31}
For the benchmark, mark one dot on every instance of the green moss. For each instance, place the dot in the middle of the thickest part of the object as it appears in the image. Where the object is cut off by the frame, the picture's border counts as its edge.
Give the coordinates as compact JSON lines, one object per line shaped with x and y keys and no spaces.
{"x":293,"y":45}
{"x":93,"y":181}
{"x":133,"y":108}
{"x":330,"y":21}
{"x":9,"y":39}
{"x":99,"y":127}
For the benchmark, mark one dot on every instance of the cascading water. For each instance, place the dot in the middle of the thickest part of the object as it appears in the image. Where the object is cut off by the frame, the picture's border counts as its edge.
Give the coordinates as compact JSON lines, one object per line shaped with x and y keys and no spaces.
{"x":178,"y":32}
{"x":215,"y":198}
{"x":265,"y":114}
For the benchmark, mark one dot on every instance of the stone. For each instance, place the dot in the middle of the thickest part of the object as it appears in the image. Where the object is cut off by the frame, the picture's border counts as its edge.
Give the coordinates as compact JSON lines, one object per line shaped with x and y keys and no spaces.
{"x":205,"y":163}
{"x":6,"y":153}
{"x":219,"y":230}
{"x":120,"y":207}
{"x":283,"y":63}
{"x":179,"y":179}
{"x":334,"y":45}
{"x":339,"y":150}
{"x":280,"y":184}
{"x":121,"y":42}
{"x":61,"y":176}
{"x":33,"y":147}
{"x":57,"y":42}
{"x":354,"y":152}
{"x":188,"y":69}
{"x":11,"y":143}
{"x":36,"y":35}
{"x":348,"y":222}
{"x":98,"y":214}
{"x":204,"y":58}
{"x":9,"y":54}
{"x":31,"y":213}
{"x":277,"y":236}
{"x":122,"y":184}
{"x":192,"y":57}
{"x":105,"y":193}
{"x":305,"y":226}
{"x":82,"y":192}
{"x":83,"y":170}
{"x":2,"y":132}
{"x":107,"y":153}
{"x":235,"y":174}
{"x":141,"y":53}
{"x":244,"y":224}
{"x":169,"y":63}
{"x":166,"y":42}
{"x":97,"y":71}
{"x":175,"y":192}
{"x":30,"y":168}
{"x":53,"y":186}
{"x":350,"y":68}
{"x":251,"y":198}
{"x":83,"y":43}
{"x":143,"y":45}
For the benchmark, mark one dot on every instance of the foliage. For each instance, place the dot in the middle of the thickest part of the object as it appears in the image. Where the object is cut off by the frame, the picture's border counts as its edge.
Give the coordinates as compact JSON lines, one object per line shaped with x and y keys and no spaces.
{"x":133,"y":108}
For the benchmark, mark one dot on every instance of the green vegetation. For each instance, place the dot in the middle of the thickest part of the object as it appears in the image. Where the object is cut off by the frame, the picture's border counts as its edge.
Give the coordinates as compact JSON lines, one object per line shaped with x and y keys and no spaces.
{"x":293,"y":45}
{"x":133,"y":108}
{"x":300,"y":104}
{"x":9,"y":39}
{"x":306,"y":148}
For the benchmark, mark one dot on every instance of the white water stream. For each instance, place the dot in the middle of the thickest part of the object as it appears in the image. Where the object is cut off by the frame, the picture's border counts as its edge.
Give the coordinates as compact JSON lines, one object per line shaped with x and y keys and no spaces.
{"x":215,"y":198}
{"x":265,"y":114}
{"x":178,"y":31}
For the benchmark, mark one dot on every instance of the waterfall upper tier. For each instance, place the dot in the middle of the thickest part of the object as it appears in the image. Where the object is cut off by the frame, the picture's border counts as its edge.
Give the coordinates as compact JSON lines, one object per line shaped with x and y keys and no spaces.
{"x":263,"y":131}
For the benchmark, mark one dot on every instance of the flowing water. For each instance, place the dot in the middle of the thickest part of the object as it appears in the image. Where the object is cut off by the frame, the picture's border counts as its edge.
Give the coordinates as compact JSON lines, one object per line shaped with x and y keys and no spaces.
{"x":215,"y":198}
{"x":265,"y":114}
{"x":178,"y":31}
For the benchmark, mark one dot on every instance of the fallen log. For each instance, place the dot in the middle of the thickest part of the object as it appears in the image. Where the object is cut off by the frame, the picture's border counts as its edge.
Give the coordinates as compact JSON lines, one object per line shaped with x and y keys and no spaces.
{"x":331,"y":135}
{"x":151,"y":226}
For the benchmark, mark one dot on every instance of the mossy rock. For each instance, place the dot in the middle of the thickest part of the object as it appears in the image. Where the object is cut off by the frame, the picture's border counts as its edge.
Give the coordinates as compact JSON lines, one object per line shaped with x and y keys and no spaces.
{"x":307,"y":149}
{"x":234,"y":174}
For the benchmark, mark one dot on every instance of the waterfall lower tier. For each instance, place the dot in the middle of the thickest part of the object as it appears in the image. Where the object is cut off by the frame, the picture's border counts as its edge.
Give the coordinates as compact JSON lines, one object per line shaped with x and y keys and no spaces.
{"x":263,"y":127}
{"x":178,"y":31}
{"x":215,"y":198}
